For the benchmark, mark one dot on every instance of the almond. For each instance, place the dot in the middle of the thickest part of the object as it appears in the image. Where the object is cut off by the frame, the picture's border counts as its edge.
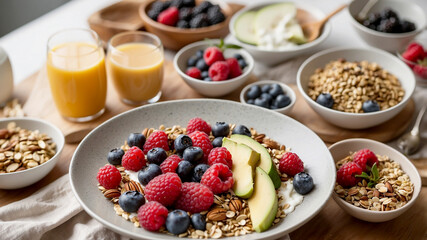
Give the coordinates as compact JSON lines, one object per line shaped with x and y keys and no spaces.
{"x":235,"y":205}
{"x":217,"y":214}
{"x":4,"y":133}
{"x":112,"y":193}
{"x":389,"y":187}
{"x":376,"y":193}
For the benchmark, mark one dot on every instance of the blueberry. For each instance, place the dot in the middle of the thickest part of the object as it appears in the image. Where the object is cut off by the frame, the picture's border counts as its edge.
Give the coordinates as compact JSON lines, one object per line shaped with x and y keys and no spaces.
{"x":198,"y":221}
{"x":238,"y":56}
{"x":177,"y":222}
{"x":156,"y":155}
{"x":198,"y":172}
{"x":191,"y":62}
{"x":130,"y":201}
{"x":192,"y":154}
{"x":136,"y":139}
{"x":253,"y":92}
{"x":241,"y":129}
{"x":265,"y":88}
{"x":281,"y":101}
{"x":200,"y":53}
{"x":217,"y":142}
{"x":242,"y":63}
{"x":208,"y":79}
{"x":262,"y":102}
{"x":185,"y":170}
{"x":149,"y":172}
{"x":220,"y":129}
{"x":303,"y":183}
{"x":267,"y":97}
{"x":325,"y":99}
{"x":115,"y":156}
{"x":250,"y":101}
{"x":201,"y":64}
{"x":370,"y":106}
{"x":205,"y":74}
{"x":182,"y":142}
{"x":275,"y":90}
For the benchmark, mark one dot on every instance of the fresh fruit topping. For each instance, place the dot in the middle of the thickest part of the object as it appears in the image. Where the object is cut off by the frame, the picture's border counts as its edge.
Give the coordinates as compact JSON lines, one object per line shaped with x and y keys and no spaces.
{"x":414,"y":52}
{"x":198,"y":172}
{"x":303,"y":183}
{"x":217,"y":142}
{"x":347,"y":174}
{"x":169,"y":16}
{"x":164,"y":189}
{"x":198,"y":124}
{"x":194,"y":198}
{"x":194,"y":73}
{"x":291,"y":164}
{"x":387,"y":21}
{"x":220,"y":155}
{"x":130,"y":201}
{"x":218,"y":178}
{"x":373,"y":177}
{"x":325,"y":99}
{"x":198,"y":221}
{"x":152,"y":215}
{"x":115,"y":156}
{"x":109,"y":177}
{"x":275,"y":90}
{"x":156,"y":155}
{"x":185,"y":14}
{"x":270,"y":96}
{"x":242,"y":130}
{"x":136,"y":139}
{"x":281,"y":101}
{"x":370,"y":106}
{"x":177,"y":222}
{"x":219,"y":71}
{"x":215,"y":15}
{"x":185,"y":171}
{"x":133,"y":159}
{"x":254,"y":92}
{"x":365,"y":157}
{"x":234,"y":66}
{"x":146,"y":174}
{"x":156,"y":139}
{"x":201,"y":64}
{"x":170,"y":164}
{"x":182,"y":142}
{"x":213,"y":54}
{"x":421,"y":70}
{"x":193,"y":155}
{"x":201,"y":140}
{"x":220,"y":129}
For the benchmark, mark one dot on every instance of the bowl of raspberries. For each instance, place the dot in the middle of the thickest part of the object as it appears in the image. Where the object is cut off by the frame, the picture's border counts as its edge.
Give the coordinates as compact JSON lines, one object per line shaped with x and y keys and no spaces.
{"x":181,"y":22}
{"x":213,"y":68}
{"x":415,"y":56}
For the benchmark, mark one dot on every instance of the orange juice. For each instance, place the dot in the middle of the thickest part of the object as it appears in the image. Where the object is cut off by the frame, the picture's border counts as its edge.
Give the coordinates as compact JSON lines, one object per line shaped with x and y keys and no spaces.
{"x":136,"y":70}
{"x":77,"y":77}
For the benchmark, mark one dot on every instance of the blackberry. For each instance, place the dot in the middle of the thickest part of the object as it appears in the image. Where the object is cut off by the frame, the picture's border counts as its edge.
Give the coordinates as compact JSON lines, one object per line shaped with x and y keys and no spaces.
{"x":215,"y":15}
{"x":177,"y":3}
{"x":388,"y":13}
{"x":183,"y":24}
{"x":153,"y":14}
{"x":202,"y":8}
{"x":199,"y":21}
{"x":407,"y":26}
{"x":185,"y":14}
{"x":159,"y":6}
{"x":189,"y":3}
{"x":374,"y":18}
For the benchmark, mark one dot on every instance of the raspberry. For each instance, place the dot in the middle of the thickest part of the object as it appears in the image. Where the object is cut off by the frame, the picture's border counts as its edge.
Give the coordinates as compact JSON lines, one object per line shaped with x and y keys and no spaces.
{"x":134,"y":159}
{"x":220,"y":155}
{"x":164,"y":189}
{"x":156,"y":139}
{"x":346,"y":174}
{"x":212,"y":55}
{"x":194,"y":73}
{"x":152,"y":215}
{"x":365,"y":157}
{"x":109,"y":176}
{"x":234,"y":66}
{"x":170,"y":164}
{"x":201,"y":140}
{"x":194,"y":198}
{"x":198,"y":124}
{"x":218,"y":178}
{"x":421,"y":71}
{"x":219,"y":71}
{"x":169,"y":16}
{"x":291,"y":164}
{"x":414,"y":52}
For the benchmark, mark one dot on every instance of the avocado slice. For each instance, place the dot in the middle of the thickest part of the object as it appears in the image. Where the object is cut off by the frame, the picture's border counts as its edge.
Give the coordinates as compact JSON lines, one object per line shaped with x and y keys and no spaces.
{"x":297,"y":34}
{"x":266,"y":163}
{"x":244,"y":27}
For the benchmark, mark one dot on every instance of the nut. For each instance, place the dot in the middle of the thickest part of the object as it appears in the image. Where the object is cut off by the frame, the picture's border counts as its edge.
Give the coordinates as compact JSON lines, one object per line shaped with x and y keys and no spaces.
{"x":353,"y":191}
{"x":112,"y":193}
{"x":235,"y":205}
{"x":4,"y":133}
{"x":133,"y":186}
{"x":376,"y":193}
{"x":389,"y":187}
{"x":217,"y":214}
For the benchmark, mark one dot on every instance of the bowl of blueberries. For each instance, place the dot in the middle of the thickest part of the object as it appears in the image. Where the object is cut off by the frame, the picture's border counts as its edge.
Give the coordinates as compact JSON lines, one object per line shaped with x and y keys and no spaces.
{"x":390,"y":24}
{"x":269,"y":94}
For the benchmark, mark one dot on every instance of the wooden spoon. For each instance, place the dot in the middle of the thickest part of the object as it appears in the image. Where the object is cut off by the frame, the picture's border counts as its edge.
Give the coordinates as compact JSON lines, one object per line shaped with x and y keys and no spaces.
{"x":312,"y":30}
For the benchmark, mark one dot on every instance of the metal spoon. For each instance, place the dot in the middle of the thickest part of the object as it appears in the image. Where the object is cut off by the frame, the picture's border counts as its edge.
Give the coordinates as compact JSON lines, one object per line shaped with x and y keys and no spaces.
{"x":410,"y":142}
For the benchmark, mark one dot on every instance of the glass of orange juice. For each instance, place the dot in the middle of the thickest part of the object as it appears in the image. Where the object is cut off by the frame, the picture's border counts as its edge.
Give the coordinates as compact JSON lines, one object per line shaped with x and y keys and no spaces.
{"x":135,"y":66}
{"x":77,"y":75}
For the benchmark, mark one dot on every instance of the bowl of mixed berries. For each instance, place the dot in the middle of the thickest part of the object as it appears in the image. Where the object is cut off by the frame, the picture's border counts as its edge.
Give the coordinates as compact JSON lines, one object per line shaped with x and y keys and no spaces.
{"x":415,"y":56}
{"x":181,"y":22}
{"x":214,"y":68}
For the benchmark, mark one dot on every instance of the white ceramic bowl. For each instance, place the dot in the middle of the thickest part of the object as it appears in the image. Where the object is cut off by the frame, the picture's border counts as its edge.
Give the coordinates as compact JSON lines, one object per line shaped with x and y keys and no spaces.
{"x":212,"y":89}
{"x":288,"y":91}
{"x":27,"y":177}
{"x":356,"y":120}
{"x":274,"y":57}
{"x":388,"y":41}
{"x":342,"y":149}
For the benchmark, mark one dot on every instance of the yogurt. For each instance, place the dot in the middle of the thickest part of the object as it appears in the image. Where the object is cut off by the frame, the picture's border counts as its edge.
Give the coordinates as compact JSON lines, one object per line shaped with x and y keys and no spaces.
{"x":289,"y":196}
{"x":277,"y":38}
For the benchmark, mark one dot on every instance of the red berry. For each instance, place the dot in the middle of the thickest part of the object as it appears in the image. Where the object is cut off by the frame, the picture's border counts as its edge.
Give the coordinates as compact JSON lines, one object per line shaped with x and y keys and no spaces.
{"x":109,"y":177}
{"x":152,"y":215}
{"x":156,"y":139}
{"x":194,"y":198}
{"x":198,"y":124}
{"x":220,"y":155}
{"x":365,"y":157}
{"x":421,"y":71}
{"x":201,"y":140}
{"x":346,"y":175}
{"x":164,"y":189}
{"x":219,"y":71}
{"x":169,"y":16}
{"x":194,"y":73}
{"x":170,"y":164}
{"x":134,"y":159}
{"x":234,"y":66}
{"x":414,"y":53}
{"x":218,"y":178}
{"x":291,"y":164}
{"x":212,"y":55}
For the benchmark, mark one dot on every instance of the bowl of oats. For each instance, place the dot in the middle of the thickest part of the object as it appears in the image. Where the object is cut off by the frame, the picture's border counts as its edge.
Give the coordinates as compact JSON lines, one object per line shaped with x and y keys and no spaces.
{"x":375,"y":182}
{"x":355,"y":88}
{"x":29,"y":149}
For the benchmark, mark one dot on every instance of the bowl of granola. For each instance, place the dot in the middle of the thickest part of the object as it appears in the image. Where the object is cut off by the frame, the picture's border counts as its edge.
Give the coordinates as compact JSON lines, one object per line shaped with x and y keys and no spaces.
{"x":178,"y":167}
{"x":375,"y":182}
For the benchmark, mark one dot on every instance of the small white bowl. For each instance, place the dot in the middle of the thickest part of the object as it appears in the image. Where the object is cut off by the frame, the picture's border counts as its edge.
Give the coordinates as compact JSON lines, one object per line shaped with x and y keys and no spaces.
{"x":212,"y":89}
{"x":27,"y":177}
{"x":342,"y":149}
{"x":288,"y":91}
{"x":388,"y":41}
{"x":386,"y":60}
{"x":274,"y":57}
